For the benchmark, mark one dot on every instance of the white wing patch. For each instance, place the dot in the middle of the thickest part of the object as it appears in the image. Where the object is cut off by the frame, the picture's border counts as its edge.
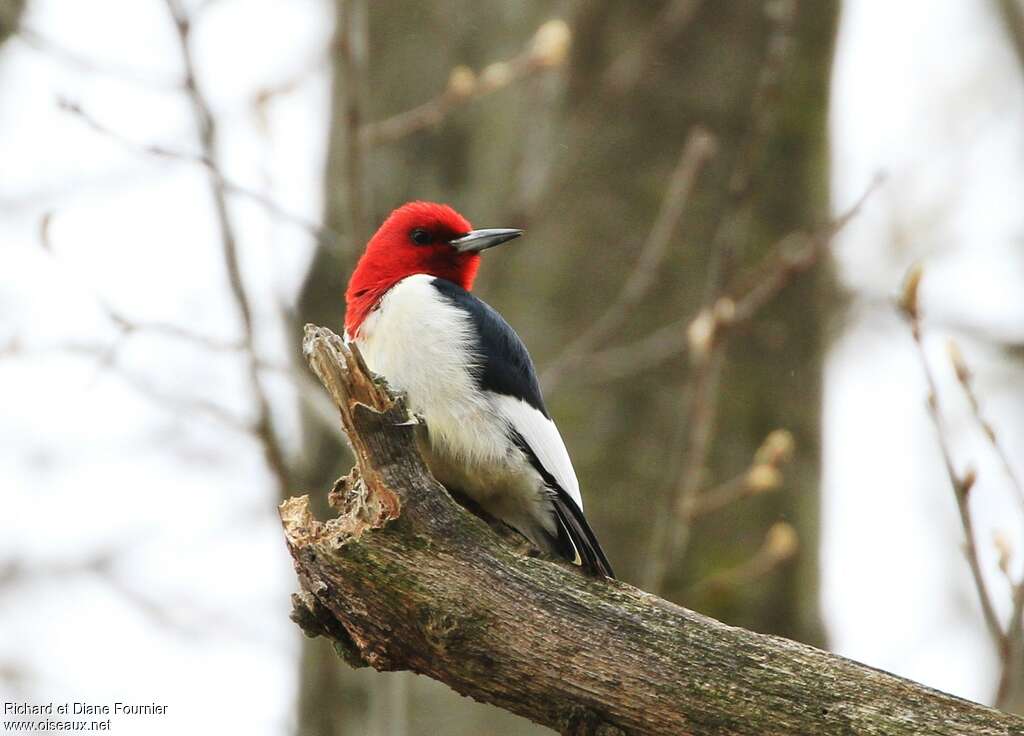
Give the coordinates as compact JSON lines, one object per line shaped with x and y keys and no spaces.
{"x":541,"y":434}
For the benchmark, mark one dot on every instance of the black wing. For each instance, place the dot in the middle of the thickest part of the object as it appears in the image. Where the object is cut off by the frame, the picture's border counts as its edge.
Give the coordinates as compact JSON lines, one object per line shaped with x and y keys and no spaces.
{"x":575,"y":537}
{"x":506,"y":368}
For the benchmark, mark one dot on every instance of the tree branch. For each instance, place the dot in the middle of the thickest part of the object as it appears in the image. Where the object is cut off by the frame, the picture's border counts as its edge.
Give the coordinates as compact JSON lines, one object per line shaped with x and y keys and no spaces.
{"x":324,"y":236}
{"x":697,"y":151}
{"x":962,"y":483}
{"x":1007,"y":639}
{"x":263,"y":426}
{"x":405,"y":579}
{"x":547,"y":50}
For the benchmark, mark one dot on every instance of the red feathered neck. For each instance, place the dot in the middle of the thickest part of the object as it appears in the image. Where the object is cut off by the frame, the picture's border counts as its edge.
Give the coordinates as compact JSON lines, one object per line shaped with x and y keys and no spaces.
{"x":392,"y":255}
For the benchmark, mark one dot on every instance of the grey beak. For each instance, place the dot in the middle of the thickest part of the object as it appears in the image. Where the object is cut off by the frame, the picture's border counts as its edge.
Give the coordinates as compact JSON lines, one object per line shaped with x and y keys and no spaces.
{"x":478,"y":240}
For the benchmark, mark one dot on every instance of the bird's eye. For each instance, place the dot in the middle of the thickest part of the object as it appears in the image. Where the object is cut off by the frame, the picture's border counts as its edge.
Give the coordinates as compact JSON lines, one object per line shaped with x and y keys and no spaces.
{"x":420,"y":236}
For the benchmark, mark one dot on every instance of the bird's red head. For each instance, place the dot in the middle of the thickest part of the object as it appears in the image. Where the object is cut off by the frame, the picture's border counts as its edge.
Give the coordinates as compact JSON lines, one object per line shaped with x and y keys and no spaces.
{"x":418,"y":237}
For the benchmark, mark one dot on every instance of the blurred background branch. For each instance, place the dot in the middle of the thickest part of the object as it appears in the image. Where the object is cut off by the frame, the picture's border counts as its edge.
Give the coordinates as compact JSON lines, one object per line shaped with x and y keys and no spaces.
{"x":547,"y":50}
{"x":206,"y":125}
{"x":327,"y":238}
{"x":707,"y":333}
{"x":699,"y":147}
{"x":1007,"y":638}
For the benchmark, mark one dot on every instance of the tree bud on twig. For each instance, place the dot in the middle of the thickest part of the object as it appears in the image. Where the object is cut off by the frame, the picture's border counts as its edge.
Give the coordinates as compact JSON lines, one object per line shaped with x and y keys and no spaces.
{"x":1004,"y":550}
{"x":496,"y":75}
{"x":781,"y":542}
{"x":798,"y":251}
{"x":704,"y":142}
{"x":703,"y":329}
{"x":701,"y":333}
{"x":461,"y":82}
{"x":968,"y":480}
{"x":963,"y":373}
{"x":763,"y":478}
{"x":551,"y":43}
{"x":911,"y":286}
{"x":725,"y":310}
{"x":777,"y":448}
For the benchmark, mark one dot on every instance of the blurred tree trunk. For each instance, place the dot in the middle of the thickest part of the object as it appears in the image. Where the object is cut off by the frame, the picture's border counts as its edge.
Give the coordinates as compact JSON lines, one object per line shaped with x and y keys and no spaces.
{"x":582,"y":159}
{"x":622,"y":145}
{"x":10,"y":15}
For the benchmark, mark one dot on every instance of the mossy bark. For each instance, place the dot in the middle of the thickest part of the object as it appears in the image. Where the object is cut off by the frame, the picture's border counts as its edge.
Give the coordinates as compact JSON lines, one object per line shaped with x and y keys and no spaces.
{"x":406,"y":579}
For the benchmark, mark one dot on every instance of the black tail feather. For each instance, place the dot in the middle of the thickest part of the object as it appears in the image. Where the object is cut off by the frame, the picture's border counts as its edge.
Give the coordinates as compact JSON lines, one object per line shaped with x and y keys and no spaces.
{"x":574,"y":529}
{"x":575,"y":537}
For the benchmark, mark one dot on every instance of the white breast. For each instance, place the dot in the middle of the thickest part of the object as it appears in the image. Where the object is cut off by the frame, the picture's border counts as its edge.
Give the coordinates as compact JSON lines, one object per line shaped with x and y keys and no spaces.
{"x":423,"y":346}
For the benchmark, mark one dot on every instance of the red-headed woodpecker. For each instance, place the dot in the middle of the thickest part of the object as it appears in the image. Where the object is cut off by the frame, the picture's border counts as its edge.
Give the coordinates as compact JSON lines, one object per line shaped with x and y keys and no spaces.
{"x":467,"y":373}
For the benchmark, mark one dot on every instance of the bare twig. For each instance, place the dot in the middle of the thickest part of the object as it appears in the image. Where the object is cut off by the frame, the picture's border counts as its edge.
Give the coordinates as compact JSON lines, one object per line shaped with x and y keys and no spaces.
{"x":628,"y":69}
{"x":965,"y":378}
{"x":99,"y":564}
{"x":767,"y":94}
{"x":670,"y":533}
{"x":266,"y":96}
{"x":105,"y":356}
{"x":102,"y":565}
{"x":780,"y":545}
{"x":538,"y":154}
{"x":17,"y":572}
{"x":698,"y":149}
{"x":41,"y":43}
{"x":763,"y":476}
{"x":182,"y":405}
{"x":322,"y":234}
{"x":793,"y":255}
{"x":1007,"y":639}
{"x":1010,"y":644}
{"x":1010,"y":641}
{"x":263,"y":428}
{"x":45,"y":223}
{"x":725,"y":245}
{"x":706,"y":335}
{"x":128,"y":326}
{"x":548,"y":49}
{"x":707,"y":352}
{"x":620,"y":361}
{"x":15,"y":676}
{"x":961,"y":482}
